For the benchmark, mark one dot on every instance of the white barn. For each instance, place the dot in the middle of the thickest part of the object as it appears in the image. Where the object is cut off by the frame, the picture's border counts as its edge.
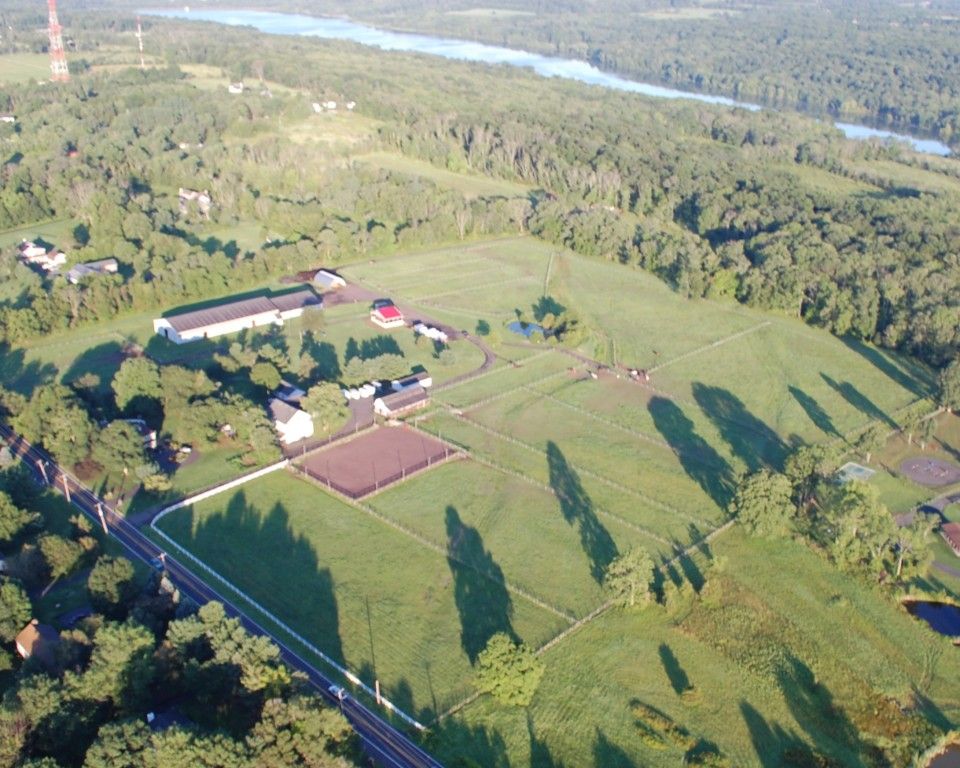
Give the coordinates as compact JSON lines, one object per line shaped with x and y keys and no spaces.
{"x":235,"y":316}
{"x":328,"y":281}
{"x":291,"y":423}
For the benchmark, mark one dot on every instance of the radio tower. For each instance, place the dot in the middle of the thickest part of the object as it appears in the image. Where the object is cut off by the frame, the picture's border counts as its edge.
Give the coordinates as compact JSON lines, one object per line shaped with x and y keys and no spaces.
{"x":58,"y":59}
{"x":140,"y":41}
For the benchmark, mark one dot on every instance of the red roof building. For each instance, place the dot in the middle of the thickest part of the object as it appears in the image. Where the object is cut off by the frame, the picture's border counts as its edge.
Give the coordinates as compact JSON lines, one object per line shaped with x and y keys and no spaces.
{"x":389,"y":316}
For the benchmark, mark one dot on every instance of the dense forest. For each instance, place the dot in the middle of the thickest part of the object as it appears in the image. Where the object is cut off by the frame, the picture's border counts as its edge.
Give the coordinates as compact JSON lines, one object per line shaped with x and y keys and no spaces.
{"x":715,"y":201}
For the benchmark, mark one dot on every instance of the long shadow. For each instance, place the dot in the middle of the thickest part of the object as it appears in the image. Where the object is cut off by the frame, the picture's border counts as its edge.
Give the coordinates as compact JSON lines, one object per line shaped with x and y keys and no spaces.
{"x":577,"y":507}
{"x":697,"y":457}
{"x":820,"y":418}
{"x":540,"y":754}
{"x":922,"y":387}
{"x":609,"y":755}
{"x":324,"y":356}
{"x":678,"y":678}
{"x":19,"y":376}
{"x":756,"y":444}
{"x":772,"y":743}
{"x":860,"y":401}
{"x":460,"y":745}
{"x":479,"y":589}
{"x":379,"y":345}
{"x":250,"y":549}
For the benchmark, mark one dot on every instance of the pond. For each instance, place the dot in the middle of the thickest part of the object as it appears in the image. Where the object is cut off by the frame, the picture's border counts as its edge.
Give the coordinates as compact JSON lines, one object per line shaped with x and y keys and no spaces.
{"x":524,"y":329}
{"x":942,"y":617}
{"x":949,"y":758}
{"x":547,"y":66}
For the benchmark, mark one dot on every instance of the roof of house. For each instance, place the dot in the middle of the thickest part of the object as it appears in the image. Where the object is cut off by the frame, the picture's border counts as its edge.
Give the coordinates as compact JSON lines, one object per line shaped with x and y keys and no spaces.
{"x":389,"y":313}
{"x":301,"y":299}
{"x":39,"y":640}
{"x":282,"y":412}
{"x":405,"y":398}
{"x":951,"y":532}
{"x":381,"y":303}
{"x":222,"y":313}
{"x":289,"y":393}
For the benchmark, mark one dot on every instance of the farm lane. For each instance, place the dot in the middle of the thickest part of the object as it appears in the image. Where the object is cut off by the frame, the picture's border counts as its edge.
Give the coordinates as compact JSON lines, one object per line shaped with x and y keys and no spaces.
{"x":382,"y":742}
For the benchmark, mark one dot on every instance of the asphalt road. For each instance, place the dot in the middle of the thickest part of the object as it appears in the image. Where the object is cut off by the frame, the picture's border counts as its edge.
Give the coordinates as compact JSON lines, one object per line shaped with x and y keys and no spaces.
{"x":384,"y":744}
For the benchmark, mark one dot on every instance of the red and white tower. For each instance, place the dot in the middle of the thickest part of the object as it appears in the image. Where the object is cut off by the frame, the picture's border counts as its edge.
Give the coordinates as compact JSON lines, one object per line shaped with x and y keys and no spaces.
{"x":58,"y":59}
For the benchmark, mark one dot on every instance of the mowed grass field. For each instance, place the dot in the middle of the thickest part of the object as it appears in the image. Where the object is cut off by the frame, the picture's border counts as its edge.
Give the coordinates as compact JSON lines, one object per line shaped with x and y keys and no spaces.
{"x":782,"y":652}
{"x":367,"y":595}
{"x":20,"y":67}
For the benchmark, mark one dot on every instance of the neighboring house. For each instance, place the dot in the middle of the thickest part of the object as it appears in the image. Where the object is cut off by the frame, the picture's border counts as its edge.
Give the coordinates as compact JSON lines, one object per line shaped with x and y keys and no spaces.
{"x":235,"y":316}
{"x":38,"y":256}
{"x":235,"y":88}
{"x":951,"y":535}
{"x":149,"y":435}
{"x":328,"y":281}
{"x":102,"y":267}
{"x":387,"y":316}
{"x":420,"y":378}
{"x":8,"y":119}
{"x":289,"y":393}
{"x":430,"y":332}
{"x":38,"y":641}
{"x":350,"y":105}
{"x":399,"y":403}
{"x":202,"y":199}
{"x":291,"y":423}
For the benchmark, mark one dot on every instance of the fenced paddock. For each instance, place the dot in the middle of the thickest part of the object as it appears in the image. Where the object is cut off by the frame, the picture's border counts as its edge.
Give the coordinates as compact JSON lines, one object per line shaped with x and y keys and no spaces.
{"x":375,"y":460}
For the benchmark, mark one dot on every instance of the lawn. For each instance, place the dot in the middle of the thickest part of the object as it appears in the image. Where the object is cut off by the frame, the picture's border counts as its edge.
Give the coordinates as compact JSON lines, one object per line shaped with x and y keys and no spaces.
{"x":366,"y":594}
{"x":20,"y":67}
{"x":781,"y":651}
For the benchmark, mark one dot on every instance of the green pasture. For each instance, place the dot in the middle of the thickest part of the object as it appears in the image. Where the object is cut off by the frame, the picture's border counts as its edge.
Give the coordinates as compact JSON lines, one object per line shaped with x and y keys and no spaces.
{"x":782,"y":652}
{"x":367,"y":595}
{"x":19,"y":67}
{"x":468,"y":184}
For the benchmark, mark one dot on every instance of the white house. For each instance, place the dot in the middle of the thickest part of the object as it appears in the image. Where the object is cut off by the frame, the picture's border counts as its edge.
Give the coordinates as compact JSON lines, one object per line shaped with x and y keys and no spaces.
{"x":398,"y":403}
{"x":8,"y":119}
{"x":291,"y":423}
{"x":350,"y":105}
{"x":328,"y":281}
{"x":235,"y":88}
{"x":38,"y":256}
{"x":235,"y":316}
{"x":102,"y":267}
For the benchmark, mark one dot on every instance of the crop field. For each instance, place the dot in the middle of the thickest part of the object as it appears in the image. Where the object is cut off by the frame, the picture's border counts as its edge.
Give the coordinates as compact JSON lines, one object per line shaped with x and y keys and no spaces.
{"x":367,"y":595}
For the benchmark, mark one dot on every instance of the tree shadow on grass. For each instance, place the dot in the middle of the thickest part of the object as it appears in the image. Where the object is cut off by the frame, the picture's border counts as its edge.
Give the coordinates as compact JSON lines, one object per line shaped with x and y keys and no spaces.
{"x":860,"y":401}
{"x":772,"y":743}
{"x":577,"y":507}
{"x":678,"y":678}
{"x":820,"y":418}
{"x":460,"y":745}
{"x":379,"y":345}
{"x":324,"y":355}
{"x":697,"y":457}
{"x":884,"y":362}
{"x":479,"y":588}
{"x":243,"y":544}
{"x":20,"y":376}
{"x":751,"y":439}
{"x":540,"y":754}
{"x":609,"y":755}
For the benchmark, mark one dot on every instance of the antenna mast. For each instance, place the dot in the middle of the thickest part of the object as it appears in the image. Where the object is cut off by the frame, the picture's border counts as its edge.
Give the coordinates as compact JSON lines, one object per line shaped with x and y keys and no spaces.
{"x":140,"y":42}
{"x":58,"y":59}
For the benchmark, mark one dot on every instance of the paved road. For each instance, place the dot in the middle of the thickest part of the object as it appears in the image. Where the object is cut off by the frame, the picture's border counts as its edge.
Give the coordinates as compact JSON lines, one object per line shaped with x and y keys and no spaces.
{"x":382,"y":742}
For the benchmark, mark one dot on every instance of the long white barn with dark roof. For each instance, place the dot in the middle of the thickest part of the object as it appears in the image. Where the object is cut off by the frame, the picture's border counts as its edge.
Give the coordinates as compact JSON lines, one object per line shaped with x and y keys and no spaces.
{"x":235,"y":316}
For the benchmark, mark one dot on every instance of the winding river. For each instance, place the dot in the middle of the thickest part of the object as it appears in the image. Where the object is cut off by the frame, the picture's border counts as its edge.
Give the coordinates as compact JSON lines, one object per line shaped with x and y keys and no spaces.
{"x":572,"y":69}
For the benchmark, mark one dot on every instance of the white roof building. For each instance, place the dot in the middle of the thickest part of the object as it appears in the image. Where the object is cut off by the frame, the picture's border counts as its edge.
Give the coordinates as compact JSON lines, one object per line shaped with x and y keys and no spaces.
{"x":406,"y":400}
{"x":102,"y":267}
{"x":291,"y":423}
{"x":328,"y":281}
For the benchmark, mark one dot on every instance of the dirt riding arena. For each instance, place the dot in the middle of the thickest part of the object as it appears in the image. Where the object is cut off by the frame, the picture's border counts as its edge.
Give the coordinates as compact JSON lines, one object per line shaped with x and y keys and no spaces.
{"x":374,"y":460}
{"x":932,"y":473}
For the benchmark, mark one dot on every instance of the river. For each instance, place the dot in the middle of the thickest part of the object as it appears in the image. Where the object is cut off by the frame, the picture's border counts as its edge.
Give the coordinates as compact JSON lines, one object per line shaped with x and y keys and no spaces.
{"x":547,"y":66}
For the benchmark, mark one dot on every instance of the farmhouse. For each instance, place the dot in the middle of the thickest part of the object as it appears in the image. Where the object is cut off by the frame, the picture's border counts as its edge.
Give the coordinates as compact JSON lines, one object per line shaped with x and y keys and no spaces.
{"x":291,"y":423}
{"x":289,"y":393}
{"x":39,"y":641}
{"x":38,"y":256}
{"x":403,"y":401}
{"x":387,"y":316}
{"x":102,"y":267}
{"x":951,"y":535}
{"x":235,"y":316}
{"x":328,"y":281}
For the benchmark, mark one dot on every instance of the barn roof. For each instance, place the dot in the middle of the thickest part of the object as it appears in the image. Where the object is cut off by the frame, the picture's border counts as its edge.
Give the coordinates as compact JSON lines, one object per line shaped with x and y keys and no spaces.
{"x":302,"y":299}
{"x":222,"y":313}
{"x":405,"y":398}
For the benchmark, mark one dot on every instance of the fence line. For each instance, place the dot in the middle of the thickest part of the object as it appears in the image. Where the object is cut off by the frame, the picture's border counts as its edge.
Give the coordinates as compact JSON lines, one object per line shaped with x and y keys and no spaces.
{"x":289,"y":630}
{"x":517,"y":365}
{"x":712,"y":345}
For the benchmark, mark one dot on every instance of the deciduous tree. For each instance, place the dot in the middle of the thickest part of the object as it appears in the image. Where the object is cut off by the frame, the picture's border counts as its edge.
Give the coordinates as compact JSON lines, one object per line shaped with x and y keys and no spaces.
{"x":510,"y":672}
{"x":763,"y":504}
{"x":629,"y":578}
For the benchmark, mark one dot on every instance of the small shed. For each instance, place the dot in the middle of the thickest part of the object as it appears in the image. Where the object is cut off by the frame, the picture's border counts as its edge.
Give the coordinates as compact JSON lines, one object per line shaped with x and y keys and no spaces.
{"x":389,"y":316}
{"x":328,"y":281}
{"x":291,"y":423}
{"x":399,"y":403}
{"x":38,"y":641}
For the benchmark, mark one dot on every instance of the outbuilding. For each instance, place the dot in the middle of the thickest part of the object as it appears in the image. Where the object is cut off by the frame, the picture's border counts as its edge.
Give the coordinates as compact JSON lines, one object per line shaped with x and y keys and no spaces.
{"x":399,"y":403}
{"x":38,"y":641}
{"x":291,"y":423}
{"x":328,"y":281}
{"x":388,"y":316}
{"x":101,"y":267}
{"x":951,"y":535}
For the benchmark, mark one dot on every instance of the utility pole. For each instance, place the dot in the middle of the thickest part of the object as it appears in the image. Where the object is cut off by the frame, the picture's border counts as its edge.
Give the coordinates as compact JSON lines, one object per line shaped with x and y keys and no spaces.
{"x":60,"y":73}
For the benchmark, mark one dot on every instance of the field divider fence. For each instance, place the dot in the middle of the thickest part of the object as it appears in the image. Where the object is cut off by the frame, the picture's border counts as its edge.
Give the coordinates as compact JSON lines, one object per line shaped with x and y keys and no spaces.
{"x":711,"y":345}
